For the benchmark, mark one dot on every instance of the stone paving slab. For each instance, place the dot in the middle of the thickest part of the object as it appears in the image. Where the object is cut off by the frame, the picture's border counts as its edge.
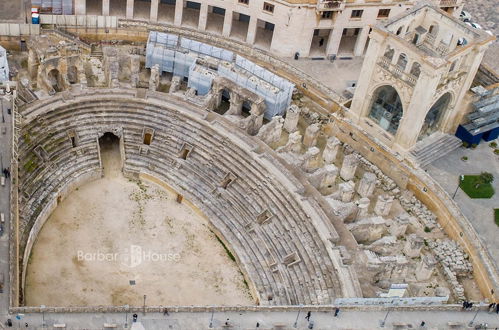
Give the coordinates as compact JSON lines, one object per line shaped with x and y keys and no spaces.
{"x":355,"y":319}
{"x":446,"y":172}
{"x":486,"y":13}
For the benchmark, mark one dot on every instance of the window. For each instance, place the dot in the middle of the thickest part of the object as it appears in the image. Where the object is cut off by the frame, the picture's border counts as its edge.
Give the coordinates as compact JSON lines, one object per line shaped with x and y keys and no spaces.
{"x":72,"y":138}
{"x":228,"y":179}
{"x":268,"y":7}
{"x":327,"y":15}
{"x":147,"y":135}
{"x":185,"y":151}
{"x":244,"y":2}
{"x":357,"y":13}
{"x":383,"y":13}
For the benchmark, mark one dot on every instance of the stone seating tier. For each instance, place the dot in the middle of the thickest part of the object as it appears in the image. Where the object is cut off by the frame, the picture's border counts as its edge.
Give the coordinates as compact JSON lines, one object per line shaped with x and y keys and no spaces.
{"x":261,"y":248}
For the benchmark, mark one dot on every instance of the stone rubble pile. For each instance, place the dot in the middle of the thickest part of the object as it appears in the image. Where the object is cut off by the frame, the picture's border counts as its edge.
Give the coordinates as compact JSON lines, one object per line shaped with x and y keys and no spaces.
{"x":385,"y":182}
{"x":451,"y":255}
{"x":415,"y":207}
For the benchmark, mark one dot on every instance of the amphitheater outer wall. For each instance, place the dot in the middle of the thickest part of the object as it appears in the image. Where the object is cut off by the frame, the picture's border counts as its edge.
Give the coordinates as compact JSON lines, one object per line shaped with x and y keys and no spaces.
{"x":318,"y":220}
{"x":406,"y":175}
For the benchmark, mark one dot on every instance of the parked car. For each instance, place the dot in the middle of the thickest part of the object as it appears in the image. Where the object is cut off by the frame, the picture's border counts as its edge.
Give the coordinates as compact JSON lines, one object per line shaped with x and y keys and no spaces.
{"x":475,"y":25}
{"x":465,"y":16}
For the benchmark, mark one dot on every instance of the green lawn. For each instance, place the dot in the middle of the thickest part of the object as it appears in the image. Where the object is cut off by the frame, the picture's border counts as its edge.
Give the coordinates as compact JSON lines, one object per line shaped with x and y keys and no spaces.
{"x":496,"y":216}
{"x":468,"y":186}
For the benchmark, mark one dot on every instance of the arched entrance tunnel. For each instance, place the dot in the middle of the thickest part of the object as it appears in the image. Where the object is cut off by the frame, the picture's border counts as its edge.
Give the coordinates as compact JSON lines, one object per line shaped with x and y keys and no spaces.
{"x":114,"y":240}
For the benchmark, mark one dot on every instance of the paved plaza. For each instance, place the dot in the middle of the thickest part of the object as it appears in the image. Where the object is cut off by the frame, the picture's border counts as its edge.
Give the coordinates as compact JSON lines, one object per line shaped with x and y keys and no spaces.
{"x":353,"y":319}
{"x":447,"y":170}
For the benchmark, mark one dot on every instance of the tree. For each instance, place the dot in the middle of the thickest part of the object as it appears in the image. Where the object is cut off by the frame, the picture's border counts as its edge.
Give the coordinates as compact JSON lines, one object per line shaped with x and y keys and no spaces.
{"x":484,"y":178}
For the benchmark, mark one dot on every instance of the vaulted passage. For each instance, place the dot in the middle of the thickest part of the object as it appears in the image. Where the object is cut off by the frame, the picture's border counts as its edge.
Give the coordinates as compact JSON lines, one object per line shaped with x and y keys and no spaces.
{"x":386,"y":109}
{"x":434,"y":116}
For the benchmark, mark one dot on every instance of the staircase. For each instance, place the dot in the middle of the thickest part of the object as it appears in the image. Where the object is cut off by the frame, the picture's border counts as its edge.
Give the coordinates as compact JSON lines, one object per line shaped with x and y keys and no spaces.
{"x":433,"y":147}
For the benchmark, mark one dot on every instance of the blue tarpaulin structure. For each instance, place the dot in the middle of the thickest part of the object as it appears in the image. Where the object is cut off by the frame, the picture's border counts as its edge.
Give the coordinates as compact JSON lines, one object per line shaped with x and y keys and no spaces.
{"x":483,"y":122}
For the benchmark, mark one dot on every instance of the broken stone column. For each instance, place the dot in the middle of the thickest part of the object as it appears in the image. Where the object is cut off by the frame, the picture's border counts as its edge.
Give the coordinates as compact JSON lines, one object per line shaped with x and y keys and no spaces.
{"x":346,"y":191}
{"x":399,"y":225}
{"x":235,"y":105}
{"x":292,"y":117}
{"x":293,"y":144}
{"x":311,"y":134}
{"x":413,"y":246}
{"x":154,"y":79}
{"x":331,"y":150}
{"x":349,"y":167}
{"x":135,"y":71}
{"x":271,"y":133}
{"x":310,"y":159}
{"x":330,"y":174}
{"x":425,"y":268}
{"x":383,"y":205}
{"x":367,"y":184}
{"x":175,"y":85}
{"x":363,"y":208}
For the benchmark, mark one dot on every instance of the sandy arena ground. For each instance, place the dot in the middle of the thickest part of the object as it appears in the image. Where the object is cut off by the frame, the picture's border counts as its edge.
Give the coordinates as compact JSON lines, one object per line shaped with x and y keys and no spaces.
{"x":146,"y":237}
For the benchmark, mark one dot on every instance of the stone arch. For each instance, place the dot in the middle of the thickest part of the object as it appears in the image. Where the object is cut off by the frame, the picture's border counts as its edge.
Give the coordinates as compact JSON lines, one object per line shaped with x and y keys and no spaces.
{"x":386,"y":108}
{"x":389,"y":53}
{"x":433,"y":119}
{"x":72,"y":74}
{"x":402,"y":61}
{"x":55,"y":80}
{"x":433,"y":29}
{"x":416,"y":69}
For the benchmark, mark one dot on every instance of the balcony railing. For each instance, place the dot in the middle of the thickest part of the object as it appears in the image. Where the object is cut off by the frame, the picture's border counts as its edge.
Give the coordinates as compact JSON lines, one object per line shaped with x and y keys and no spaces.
{"x":397,"y":71}
{"x":330,"y":5}
{"x":448,"y":3}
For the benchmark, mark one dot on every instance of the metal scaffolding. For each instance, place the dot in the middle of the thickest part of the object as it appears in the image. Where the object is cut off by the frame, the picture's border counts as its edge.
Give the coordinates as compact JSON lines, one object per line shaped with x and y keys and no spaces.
{"x":201,"y":63}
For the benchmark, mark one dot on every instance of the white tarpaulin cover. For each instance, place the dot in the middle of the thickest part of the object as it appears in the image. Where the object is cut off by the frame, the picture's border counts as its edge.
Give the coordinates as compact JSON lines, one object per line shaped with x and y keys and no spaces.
{"x":4,"y":65}
{"x":180,"y":58}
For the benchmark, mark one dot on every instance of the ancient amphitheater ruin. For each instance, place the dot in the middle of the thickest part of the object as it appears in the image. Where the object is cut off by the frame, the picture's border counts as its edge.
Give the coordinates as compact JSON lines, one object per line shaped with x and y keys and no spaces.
{"x":264,"y":188}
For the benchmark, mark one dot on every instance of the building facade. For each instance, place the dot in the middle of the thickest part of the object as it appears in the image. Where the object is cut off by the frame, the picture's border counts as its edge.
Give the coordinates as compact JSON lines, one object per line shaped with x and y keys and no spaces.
{"x":311,"y":28}
{"x":414,"y":81}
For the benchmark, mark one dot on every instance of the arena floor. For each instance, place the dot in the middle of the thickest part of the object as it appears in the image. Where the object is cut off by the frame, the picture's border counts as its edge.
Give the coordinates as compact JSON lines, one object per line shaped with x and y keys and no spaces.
{"x":115,"y":230}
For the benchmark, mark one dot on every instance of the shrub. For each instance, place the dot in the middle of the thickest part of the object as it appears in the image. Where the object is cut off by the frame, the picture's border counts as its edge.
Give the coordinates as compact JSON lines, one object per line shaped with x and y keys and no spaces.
{"x":493,"y":144}
{"x":496,"y":151}
{"x":464,"y":158}
{"x":465,"y":144}
{"x":474,"y":145}
{"x":427,"y":229}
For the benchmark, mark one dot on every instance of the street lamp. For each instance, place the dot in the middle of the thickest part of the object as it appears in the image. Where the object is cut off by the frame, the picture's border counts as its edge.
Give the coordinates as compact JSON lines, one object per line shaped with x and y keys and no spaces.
{"x":145,"y":304}
{"x":43,"y":315}
{"x":211,"y":320}
{"x":127,"y":308}
{"x":297,"y":316}
{"x":474,"y":317}
{"x":382,"y":323}
{"x":461,"y":178}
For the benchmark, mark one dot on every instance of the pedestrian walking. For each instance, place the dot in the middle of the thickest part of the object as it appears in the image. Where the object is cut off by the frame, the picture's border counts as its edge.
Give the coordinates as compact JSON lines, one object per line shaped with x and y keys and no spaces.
{"x":492,"y":307}
{"x":5,"y":173}
{"x":257,"y":324}
{"x":423,"y":323}
{"x":497,"y":308}
{"x":165,"y":312}
{"x":321,"y":42}
{"x":308,"y":316}
{"x":336,"y":312}
{"x":8,"y":172}
{"x":470,"y":305}
{"x":465,"y":304}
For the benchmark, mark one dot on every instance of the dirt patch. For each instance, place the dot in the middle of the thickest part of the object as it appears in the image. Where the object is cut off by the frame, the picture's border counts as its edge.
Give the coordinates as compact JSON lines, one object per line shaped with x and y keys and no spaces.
{"x":114,"y":240}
